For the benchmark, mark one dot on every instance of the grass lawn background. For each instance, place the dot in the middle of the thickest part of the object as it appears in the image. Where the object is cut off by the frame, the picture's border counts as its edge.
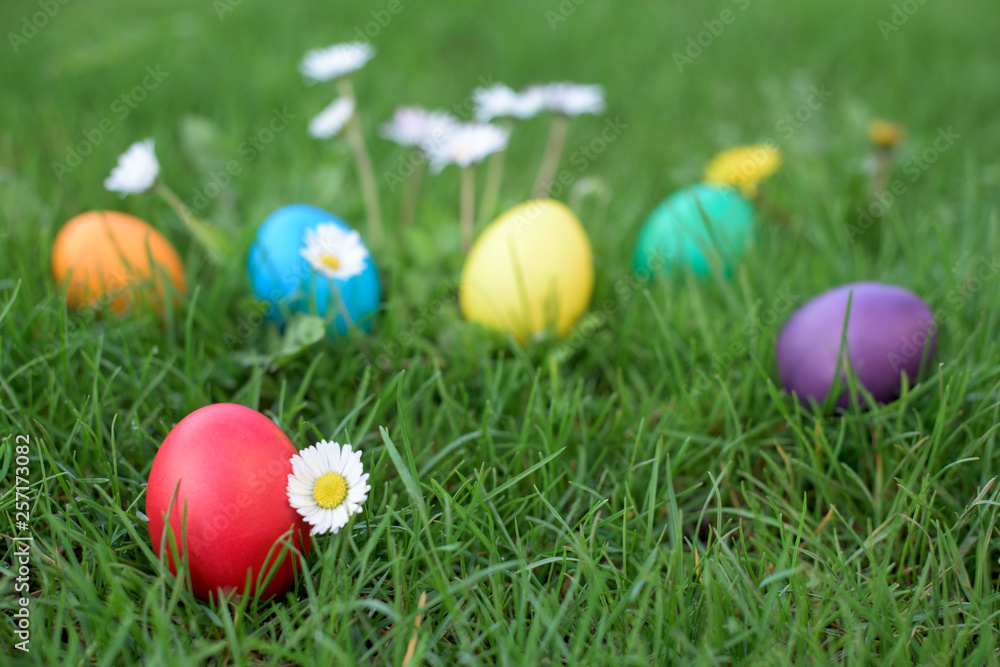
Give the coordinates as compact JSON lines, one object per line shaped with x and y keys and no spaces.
{"x":641,"y":494}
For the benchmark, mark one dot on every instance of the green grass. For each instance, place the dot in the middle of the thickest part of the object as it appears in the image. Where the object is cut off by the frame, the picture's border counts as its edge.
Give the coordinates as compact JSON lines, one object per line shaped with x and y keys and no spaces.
{"x":635,"y":496}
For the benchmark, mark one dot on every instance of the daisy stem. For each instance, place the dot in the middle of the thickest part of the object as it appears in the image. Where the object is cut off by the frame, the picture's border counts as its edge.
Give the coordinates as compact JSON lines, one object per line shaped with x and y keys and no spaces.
{"x":468,"y":205}
{"x":877,"y":187}
{"x":553,"y":154}
{"x":341,"y":306}
{"x":411,"y":195}
{"x":366,"y":173}
{"x":494,"y":177}
{"x":883,"y":170}
{"x":210,"y":238}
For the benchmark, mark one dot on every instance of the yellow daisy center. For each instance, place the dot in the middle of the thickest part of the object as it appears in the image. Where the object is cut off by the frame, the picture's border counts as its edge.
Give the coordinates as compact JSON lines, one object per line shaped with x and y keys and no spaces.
{"x":330,"y":490}
{"x":331,"y":261}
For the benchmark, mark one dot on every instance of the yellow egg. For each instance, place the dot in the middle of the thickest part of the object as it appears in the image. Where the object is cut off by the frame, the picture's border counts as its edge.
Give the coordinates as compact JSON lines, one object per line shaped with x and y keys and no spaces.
{"x":530,"y":270}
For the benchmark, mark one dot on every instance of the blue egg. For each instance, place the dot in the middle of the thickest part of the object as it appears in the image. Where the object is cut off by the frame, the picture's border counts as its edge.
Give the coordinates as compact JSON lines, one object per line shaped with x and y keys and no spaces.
{"x":307,"y":260}
{"x":676,"y":234}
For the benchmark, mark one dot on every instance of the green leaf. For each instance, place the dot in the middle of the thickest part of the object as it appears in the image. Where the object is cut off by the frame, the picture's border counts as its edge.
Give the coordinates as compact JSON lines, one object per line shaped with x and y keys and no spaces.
{"x":302,"y":332}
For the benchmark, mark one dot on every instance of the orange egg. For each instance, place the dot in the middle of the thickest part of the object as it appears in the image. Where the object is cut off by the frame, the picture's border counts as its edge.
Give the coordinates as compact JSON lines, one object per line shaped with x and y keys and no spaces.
{"x":107,"y":258}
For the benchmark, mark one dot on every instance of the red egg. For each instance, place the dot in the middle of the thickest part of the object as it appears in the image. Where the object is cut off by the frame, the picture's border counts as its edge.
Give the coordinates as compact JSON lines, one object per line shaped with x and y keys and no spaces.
{"x":226,"y":468}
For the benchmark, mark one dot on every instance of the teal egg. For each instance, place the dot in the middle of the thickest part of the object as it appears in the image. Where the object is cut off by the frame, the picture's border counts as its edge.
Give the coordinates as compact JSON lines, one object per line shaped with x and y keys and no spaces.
{"x":286,"y":270}
{"x":695,"y":227}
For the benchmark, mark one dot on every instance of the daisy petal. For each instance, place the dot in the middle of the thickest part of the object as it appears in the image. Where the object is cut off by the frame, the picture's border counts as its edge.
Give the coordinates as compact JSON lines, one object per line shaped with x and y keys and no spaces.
{"x":136,"y":171}
{"x":324,"y":460}
{"x":335,"y":62}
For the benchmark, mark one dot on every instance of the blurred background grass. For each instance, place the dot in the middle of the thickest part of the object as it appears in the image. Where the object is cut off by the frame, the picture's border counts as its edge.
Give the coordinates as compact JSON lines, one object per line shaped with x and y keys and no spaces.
{"x":935,"y":71}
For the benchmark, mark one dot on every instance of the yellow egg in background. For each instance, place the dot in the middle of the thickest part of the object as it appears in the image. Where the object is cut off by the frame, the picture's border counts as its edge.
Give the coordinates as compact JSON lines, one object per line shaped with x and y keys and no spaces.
{"x":531,"y":269}
{"x":107,"y":258}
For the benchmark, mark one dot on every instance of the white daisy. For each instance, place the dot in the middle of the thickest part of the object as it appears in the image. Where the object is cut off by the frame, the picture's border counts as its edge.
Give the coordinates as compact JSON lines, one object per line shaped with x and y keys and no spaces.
{"x":331,"y":120}
{"x":573,"y":99}
{"x":414,"y":126}
{"x":501,"y":101}
{"x":334,"y":62}
{"x":136,"y":170}
{"x":327,"y":485}
{"x":467,"y":144}
{"x":334,"y":251}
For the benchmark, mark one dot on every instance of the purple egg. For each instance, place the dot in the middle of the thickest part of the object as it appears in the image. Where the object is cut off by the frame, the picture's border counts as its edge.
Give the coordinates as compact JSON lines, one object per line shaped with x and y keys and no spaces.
{"x":890,"y":332}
